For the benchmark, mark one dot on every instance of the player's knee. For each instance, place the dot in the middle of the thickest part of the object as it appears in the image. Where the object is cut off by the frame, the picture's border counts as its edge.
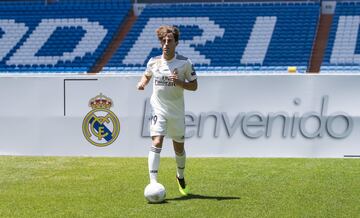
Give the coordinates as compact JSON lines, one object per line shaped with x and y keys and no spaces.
{"x":178,"y":140}
{"x":178,"y":147}
{"x":157,"y":142}
{"x":180,"y":152}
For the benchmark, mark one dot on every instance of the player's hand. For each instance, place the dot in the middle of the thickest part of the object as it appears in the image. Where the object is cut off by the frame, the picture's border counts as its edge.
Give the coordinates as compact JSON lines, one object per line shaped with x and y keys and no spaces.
{"x":140,"y":86}
{"x":174,"y":77}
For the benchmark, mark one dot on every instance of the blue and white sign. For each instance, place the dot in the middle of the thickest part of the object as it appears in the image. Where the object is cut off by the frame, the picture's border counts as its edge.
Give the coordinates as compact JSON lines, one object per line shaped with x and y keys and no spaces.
{"x":228,"y":116}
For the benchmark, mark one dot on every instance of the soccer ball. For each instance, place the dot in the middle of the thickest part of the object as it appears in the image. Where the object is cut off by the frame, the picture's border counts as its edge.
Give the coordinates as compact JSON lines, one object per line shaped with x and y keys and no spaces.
{"x":155,"y":192}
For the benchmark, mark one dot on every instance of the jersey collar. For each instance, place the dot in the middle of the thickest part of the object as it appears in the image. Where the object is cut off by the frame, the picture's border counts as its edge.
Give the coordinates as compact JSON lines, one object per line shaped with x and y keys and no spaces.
{"x":171,"y":60}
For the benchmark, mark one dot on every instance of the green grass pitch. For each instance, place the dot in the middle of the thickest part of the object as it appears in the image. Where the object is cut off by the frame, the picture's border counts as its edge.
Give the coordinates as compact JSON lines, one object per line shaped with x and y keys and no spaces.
{"x":221,"y":187}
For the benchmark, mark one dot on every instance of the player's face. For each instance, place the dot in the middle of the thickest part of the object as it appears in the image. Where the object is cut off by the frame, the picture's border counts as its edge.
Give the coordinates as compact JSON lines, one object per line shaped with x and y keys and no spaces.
{"x":168,"y":46}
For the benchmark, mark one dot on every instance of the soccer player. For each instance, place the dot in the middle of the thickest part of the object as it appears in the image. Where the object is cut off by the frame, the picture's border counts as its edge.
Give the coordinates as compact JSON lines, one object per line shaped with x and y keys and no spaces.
{"x":172,"y":74}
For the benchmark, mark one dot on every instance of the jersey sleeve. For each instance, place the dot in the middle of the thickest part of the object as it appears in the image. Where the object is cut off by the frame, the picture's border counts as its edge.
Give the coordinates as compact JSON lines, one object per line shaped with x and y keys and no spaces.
{"x":190,"y":73}
{"x":149,"y":67}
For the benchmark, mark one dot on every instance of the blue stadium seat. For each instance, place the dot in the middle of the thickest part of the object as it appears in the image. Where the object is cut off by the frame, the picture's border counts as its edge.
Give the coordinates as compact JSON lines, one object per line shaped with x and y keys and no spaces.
{"x":223,"y":36}
{"x":80,"y":30}
{"x":343,"y":48}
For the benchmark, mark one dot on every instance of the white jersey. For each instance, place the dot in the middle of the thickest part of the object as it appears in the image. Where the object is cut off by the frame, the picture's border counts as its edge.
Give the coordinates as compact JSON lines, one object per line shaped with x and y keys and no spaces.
{"x":168,"y":99}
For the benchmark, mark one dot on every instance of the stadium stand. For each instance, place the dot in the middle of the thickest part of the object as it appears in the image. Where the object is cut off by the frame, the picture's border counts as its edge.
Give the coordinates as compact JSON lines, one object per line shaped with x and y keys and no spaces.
{"x":343,"y":48}
{"x":57,"y":36}
{"x":226,"y":36}
{"x":257,"y":35}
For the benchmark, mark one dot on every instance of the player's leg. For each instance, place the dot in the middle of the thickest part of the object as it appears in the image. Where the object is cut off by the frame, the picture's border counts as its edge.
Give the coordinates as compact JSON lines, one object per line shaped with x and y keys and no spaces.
{"x":154,"y":157}
{"x":180,"y":157}
{"x":176,"y":129}
{"x":157,"y":132}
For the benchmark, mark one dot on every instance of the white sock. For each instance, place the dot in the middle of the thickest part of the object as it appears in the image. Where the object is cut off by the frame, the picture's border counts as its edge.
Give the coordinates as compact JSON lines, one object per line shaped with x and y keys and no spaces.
{"x":153,"y":163}
{"x":180,"y":162}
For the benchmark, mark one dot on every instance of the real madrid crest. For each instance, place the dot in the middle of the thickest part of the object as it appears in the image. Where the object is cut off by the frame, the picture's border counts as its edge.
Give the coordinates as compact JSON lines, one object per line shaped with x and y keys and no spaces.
{"x":101,"y":127}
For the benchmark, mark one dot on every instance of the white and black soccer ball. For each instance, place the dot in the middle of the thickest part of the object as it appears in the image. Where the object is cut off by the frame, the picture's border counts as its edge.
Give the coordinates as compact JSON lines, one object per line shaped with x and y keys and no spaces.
{"x":155,"y":192}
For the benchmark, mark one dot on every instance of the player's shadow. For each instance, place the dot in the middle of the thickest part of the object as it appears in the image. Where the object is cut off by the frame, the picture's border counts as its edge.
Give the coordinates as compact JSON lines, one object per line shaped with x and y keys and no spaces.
{"x":207,"y":197}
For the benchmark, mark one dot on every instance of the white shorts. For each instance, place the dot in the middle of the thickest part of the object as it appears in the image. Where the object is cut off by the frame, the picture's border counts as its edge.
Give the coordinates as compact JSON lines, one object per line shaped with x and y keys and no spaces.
{"x":173,"y":128}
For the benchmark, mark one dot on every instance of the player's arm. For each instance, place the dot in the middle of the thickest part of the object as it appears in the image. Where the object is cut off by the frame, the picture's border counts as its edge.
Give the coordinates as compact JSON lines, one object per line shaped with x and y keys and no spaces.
{"x":146,"y":77}
{"x":188,"y":85}
{"x":190,"y":82}
{"x":143,"y":82}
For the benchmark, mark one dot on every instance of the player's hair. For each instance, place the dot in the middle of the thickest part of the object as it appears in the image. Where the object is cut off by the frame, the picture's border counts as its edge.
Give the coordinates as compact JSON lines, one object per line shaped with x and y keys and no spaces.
{"x":163,"y":31}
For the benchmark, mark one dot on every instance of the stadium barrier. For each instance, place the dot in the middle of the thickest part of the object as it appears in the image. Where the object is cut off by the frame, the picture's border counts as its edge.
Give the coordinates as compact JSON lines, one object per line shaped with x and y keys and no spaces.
{"x":250,"y":115}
